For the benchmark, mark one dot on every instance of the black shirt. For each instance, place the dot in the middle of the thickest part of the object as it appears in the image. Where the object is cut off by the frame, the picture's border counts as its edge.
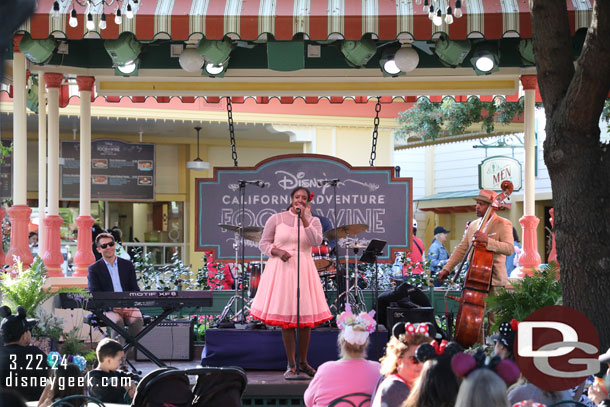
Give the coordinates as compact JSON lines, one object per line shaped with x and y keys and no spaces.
{"x":23,"y":369}
{"x":108,"y":387}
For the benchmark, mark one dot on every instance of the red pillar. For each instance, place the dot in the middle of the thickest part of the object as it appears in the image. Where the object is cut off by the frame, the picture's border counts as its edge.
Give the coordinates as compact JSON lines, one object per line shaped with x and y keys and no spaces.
{"x":52,"y":257}
{"x":84,"y":255}
{"x":20,"y":219}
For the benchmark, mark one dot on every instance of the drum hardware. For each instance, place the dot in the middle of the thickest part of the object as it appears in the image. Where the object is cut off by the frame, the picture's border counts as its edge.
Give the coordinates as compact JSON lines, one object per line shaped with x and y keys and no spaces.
{"x":252,"y":233}
{"x":321,"y":256}
{"x":353,"y":294}
{"x":346,"y":231}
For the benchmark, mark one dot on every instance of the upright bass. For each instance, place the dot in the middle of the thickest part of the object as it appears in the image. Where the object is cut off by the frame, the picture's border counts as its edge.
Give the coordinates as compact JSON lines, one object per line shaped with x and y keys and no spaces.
{"x":477,"y":282}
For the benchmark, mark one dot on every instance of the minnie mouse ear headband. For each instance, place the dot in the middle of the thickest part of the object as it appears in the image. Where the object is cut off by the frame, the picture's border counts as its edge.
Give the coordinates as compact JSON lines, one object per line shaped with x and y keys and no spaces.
{"x":408,"y":328}
{"x":506,"y":333}
{"x":13,"y":326}
{"x":427,"y":351}
{"x":356,"y":329}
{"x":463,"y":364}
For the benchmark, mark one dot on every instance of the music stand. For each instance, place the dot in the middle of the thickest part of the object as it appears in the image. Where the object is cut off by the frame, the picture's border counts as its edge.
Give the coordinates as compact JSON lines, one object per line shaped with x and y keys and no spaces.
{"x":370,"y":254}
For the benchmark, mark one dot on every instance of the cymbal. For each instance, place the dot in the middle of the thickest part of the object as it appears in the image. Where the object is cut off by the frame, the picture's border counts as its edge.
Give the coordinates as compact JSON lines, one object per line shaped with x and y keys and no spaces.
{"x":253,"y":233}
{"x":355,"y":246}
{"x":345,"y":230}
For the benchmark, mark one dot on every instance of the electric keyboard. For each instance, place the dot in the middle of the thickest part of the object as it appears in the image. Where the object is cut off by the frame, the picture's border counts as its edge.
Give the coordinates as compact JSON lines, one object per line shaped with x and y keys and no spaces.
{"x":163,"y":299}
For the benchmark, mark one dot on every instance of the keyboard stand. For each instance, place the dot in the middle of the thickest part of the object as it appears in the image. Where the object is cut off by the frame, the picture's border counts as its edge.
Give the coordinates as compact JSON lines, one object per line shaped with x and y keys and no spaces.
{"x":133,"y":341}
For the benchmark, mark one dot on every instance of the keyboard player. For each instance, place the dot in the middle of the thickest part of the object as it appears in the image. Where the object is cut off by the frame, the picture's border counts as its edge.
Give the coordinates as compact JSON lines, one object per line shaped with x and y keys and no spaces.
{"x":112,"y":273}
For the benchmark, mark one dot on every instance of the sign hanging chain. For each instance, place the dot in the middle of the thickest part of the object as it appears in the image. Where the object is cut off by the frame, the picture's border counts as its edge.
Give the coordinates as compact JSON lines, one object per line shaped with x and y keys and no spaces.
{"x":231,"y":130}
{"x":375,"y":132}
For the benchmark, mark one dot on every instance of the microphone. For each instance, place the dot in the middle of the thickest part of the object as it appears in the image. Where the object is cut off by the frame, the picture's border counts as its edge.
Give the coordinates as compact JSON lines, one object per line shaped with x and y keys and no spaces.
{"x":332,"y":181}
{"x":256,"y":182}
{"x":298,"y":211}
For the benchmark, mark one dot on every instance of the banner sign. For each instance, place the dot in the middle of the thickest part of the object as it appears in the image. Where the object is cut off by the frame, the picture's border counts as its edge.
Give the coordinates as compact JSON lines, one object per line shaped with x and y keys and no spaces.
{"x":365,"y":195}
{"x":494,"y":170}
{"x":120,"y":171}
{"x":6,"y":173}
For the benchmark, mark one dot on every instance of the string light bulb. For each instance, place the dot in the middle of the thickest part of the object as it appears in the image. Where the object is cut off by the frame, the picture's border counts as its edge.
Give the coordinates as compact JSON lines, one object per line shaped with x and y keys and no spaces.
{"x":431,"y":12}
{"x":438,"y":19}
{"x":129,"y":12}
{"x":90,"y":23}
{"x":118,"y":18}
{"x":73,"y":22}
{"x":458,"y":9}
{"x":426,"y":5}
{"x":449,"y":16}
{"x":103,"y":22}
{"x":55,"y":12}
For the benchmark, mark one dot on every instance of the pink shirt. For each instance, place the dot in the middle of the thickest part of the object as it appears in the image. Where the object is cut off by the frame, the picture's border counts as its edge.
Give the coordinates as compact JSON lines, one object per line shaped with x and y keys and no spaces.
{"x":338,"y":378}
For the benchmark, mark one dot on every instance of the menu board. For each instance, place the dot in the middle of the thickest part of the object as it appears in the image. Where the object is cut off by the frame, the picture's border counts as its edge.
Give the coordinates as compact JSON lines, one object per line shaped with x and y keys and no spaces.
{"x":6,"y":173}
{"x":120,"y":171}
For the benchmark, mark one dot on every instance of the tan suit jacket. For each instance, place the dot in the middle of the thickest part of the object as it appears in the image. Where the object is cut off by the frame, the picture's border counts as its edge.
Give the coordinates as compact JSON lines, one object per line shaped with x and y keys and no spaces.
{"x":500,"y":234}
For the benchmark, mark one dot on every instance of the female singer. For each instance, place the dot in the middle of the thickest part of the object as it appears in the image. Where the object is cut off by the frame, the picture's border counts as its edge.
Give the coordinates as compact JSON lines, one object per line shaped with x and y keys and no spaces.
{"x":275,"y":302}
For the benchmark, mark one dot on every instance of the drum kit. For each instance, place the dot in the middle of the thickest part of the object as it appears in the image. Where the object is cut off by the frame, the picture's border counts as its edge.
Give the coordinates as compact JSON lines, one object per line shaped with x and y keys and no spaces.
{"x":324,"y":259}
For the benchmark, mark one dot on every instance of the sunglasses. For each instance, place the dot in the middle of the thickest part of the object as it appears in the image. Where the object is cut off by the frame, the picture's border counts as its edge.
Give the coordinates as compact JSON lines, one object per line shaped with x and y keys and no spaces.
{"x":105,"y":245}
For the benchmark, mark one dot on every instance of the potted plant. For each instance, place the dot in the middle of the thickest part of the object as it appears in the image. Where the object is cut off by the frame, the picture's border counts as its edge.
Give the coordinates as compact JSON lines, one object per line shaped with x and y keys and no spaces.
{"x":48,"y":331}
{"x":27,"y":287}
{"x":533,"y":292}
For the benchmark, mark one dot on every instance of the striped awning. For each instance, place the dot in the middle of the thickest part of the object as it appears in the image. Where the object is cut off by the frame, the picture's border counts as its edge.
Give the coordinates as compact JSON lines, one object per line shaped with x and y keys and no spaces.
{"x":283,"y":19}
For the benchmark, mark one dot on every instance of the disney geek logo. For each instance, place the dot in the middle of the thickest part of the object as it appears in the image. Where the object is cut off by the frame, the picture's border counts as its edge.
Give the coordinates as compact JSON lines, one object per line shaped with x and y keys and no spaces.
{"x":556,"y":348}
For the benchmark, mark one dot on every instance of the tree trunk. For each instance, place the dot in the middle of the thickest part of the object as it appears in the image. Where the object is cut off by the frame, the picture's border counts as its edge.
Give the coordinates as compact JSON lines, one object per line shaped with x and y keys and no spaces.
{"x":578,"y":163}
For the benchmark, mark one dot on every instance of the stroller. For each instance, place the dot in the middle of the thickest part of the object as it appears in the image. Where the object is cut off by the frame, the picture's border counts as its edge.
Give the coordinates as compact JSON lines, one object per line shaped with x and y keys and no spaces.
{"x":170,"y":387}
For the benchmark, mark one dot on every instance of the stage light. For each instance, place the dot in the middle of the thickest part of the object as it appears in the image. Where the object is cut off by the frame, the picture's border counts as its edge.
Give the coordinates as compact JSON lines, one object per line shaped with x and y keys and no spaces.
{"x":387,"y":63}
{"x":123,"y":50}
{"x":215,"y":70}
{"x":358,"y":53}
{"x":485,"y":58}
{"x":526,"y":50}
{"x":215,"y":51}
{"x":451,"y":53}
{"x":129,"y":68}
{"x":190,"y":60}
{"x":37,"y":51}
{"x":406,"y":58}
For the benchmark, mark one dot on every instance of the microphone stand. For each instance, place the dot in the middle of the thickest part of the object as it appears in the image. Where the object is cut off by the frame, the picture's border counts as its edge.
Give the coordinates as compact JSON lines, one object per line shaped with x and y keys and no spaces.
{"x":340,"y":285}
{"x":242,"y":193}
{"x":297,"y":375}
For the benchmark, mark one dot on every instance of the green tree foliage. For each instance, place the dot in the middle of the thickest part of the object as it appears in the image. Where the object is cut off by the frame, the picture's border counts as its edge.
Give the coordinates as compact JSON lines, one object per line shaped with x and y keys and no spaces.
{"x":429,"y":120}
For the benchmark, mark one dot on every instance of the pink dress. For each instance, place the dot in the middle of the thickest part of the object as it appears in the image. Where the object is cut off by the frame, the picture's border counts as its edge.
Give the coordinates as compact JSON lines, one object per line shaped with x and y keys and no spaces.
{"x":275,"y":302}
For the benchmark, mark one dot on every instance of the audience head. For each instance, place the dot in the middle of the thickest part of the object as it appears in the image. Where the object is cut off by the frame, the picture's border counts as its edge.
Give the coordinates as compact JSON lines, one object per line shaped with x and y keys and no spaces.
{"x":354,"y":336}
{"x":16,"y":329}
{"x":440,"y":233}
{"x":109,"y":353}
{"x":486,"y":380}
{"x":67,"y":383}
{"x":437,"y":386}
{"x":33,"y":238}
{"x":482,"y":388}
{"x":400,"y":357}
{"x":504,"y":339}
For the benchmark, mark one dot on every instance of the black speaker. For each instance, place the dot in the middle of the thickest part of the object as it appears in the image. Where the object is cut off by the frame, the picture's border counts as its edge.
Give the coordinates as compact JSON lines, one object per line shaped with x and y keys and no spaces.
{"x":413,"y":315}
{"x":169,"y":340}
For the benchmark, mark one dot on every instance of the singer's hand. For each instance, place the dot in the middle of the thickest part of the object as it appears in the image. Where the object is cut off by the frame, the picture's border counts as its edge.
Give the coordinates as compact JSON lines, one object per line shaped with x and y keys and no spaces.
{"x":282,"y":254}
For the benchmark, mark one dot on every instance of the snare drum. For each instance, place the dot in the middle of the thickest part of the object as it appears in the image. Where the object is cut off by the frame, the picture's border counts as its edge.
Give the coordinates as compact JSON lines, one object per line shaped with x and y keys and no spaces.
{"x":321,"y":256}
{"x":255,"y":270}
